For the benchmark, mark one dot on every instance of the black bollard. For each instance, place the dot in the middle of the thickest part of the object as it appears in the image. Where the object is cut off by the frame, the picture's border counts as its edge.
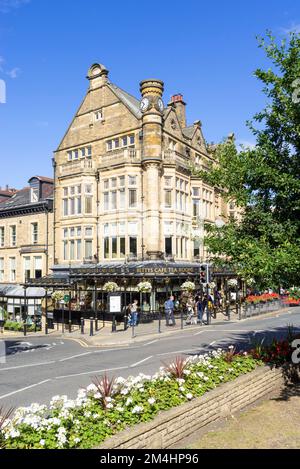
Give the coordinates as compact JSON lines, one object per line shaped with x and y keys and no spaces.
{"x":70,"y":327}
{"x":113,"y":325}
{"x":159,"y":322}
{"x":91,"y":327}
{"x":82,"y":325}
{"x":25,"y":329}
{"x":96,"y":324}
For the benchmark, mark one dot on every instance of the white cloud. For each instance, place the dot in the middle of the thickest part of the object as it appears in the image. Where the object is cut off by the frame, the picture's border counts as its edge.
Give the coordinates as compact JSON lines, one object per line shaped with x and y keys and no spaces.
{"x":294,"y":27}
{"x":13,"y":73}
{"x":7,"y":5}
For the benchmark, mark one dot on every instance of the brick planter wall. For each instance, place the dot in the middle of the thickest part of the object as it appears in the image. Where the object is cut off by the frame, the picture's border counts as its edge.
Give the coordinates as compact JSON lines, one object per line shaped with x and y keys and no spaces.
{"x":171,"y":426}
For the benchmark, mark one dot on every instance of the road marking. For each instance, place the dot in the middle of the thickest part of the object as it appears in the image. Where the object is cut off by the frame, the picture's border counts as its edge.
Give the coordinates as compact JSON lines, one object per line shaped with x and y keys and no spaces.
{"x":75,"y":356}
{"x":149,"y":343}
{"x":91,"y":372}
{"x":26,"y":366}
{"x":141,"y":361}
{"x":176,"y":351}
{"x":212,"y":343}
{"x":198,"y":333}
{"x":24,"y":389}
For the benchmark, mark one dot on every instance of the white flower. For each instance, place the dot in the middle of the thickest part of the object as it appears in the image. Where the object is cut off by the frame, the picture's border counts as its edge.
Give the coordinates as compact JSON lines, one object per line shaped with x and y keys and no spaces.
{"x":137,"y":409}
{"x":120,"y":409}
{"x":108,"y":399}
{"x":91,"y":388}
{"x":87,"y":414}
{"x":206,"y":378}
{"x":189,"y":396}
{"x":151,"y":400}
{"x":180,"y":380}
{"x":77,"y":440}
{"x":109,"y":405}
{"x":221,"y":377}
{"x":129,"y":401}
{"x":186,"y":372}
{"x":125,"y":391}
{"x":181,"y":388}
{"x":14,"y":434}
{"x":42,"y":442}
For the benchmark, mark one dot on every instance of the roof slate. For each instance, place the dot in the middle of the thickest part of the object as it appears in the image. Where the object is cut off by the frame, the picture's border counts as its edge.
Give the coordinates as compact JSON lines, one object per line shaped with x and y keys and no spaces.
{"x":130,"y":101}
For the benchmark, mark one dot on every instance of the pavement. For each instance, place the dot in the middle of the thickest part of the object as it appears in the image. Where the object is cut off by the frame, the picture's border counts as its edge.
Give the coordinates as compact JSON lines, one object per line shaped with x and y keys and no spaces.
{"x":104,"y":337}
{"x":35,"y":368}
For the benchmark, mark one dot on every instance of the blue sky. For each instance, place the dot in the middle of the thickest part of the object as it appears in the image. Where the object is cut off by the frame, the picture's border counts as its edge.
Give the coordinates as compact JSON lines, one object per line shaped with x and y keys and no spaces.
{"x":205,"y":50}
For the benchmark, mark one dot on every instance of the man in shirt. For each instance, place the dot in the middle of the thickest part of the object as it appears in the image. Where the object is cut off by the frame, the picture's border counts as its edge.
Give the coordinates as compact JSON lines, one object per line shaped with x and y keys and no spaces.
{"x":169,"y":311}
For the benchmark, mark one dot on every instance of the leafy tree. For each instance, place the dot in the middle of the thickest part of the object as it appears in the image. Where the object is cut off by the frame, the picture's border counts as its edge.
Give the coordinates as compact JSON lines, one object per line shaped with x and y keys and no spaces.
{"x":264,"y":181}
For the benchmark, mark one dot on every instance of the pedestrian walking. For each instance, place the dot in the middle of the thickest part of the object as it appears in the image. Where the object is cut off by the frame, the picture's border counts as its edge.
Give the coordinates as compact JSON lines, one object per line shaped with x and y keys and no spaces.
{"x":169,"y":311}
{"x":199,"y":310}
{"x":132,"y":320}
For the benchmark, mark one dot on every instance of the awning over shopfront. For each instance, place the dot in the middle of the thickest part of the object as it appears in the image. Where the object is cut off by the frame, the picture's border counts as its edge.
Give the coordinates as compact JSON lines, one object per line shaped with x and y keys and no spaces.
{"x":17,"y":291}
{"x":66,"y":277}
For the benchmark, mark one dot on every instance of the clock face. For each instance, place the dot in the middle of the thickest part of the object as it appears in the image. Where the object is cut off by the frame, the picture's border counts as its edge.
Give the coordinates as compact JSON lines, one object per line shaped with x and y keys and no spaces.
{"x":144,"y":104}
{"x":160,"y":105}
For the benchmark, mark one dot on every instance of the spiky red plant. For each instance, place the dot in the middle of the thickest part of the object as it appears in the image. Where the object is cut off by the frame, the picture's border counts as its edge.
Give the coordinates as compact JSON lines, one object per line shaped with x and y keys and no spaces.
{"x":4,"y":416}
{"x":105,"y":388}
{"x":177,"y":367}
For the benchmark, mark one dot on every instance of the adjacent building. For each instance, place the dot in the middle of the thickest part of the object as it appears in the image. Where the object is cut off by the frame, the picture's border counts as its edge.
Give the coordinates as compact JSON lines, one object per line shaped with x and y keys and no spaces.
{"x":26,"y":242}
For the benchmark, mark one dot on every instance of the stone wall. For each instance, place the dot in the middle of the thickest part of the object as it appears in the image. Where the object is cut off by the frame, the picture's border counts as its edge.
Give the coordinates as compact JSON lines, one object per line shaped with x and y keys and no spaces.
{"x":170,"y":427}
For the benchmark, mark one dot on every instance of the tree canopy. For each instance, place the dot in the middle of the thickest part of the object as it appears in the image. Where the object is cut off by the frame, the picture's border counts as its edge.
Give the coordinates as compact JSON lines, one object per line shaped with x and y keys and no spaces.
{"x":264,"y":181}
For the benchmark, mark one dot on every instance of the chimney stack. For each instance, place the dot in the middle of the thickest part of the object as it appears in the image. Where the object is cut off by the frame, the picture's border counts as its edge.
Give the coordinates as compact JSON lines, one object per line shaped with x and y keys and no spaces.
{"x":179,"y":104}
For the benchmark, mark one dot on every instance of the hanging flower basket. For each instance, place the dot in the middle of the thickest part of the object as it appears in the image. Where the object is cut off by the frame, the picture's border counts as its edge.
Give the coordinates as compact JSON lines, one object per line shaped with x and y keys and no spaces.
{"x":144,"y":287}
{"x":232,"y":282}
{"x":250,"y":281}
{"x":110,"y":287}
{"x":57,"y":296}
{"x":188,"y":286}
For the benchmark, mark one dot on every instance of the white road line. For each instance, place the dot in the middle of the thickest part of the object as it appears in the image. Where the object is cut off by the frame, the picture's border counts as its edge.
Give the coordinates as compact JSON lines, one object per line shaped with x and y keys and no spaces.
{"x":142,"y":361}
{"x":212,"y":343}
{"x":75,"y":356}
{"x":176,"y":351}
{"x":198,"y":333}
{"x":26,"y":366}
{"x":24,"y":389}
{"x":149,"y":343}
{"x":92,"y":372}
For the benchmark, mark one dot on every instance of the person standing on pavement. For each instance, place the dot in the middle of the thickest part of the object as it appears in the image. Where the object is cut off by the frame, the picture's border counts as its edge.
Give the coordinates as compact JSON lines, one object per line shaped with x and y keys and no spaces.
{"x":169,"y":311}
{"x":133,"y":313}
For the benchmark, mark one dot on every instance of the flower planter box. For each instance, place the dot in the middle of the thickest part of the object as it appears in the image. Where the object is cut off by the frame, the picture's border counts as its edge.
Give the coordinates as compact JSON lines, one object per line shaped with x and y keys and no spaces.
{"x":172,"y":426}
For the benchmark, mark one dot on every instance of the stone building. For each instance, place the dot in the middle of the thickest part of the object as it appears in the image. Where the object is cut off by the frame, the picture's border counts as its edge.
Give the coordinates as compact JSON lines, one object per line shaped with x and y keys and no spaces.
{"x":124,"y":188}
{"x":26,"y":242}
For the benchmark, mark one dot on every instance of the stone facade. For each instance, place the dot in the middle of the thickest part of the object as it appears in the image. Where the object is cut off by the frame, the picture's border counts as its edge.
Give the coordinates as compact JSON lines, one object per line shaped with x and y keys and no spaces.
{"x":26,"y":233}
{"x":172,"y":426}
{"x":123,"y":181}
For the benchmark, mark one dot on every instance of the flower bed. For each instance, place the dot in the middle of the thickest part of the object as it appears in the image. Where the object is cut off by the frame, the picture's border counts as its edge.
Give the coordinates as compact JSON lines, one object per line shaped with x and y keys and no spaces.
{"x":109,"y":406}
{"x":266,"y":297}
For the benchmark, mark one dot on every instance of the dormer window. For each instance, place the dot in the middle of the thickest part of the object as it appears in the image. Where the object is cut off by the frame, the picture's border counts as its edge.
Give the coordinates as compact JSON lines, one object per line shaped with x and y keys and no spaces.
{"x":34,"y":194}
{"x":34,"y":190}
